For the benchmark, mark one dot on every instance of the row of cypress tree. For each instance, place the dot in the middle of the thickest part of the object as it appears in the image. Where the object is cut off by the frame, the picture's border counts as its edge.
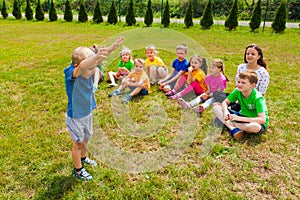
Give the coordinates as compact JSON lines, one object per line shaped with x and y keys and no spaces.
{"x":206,"y":22}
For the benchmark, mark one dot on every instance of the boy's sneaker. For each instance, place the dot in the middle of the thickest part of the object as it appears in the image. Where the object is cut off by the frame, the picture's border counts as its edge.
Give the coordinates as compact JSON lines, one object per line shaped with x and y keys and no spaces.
{"x":82,"y":174}
{"x":183,"y":103}
{"x":236,"y":133}
{"x":126,"y":99}
{"x":89,"y":161}
{"x":114,"y":93}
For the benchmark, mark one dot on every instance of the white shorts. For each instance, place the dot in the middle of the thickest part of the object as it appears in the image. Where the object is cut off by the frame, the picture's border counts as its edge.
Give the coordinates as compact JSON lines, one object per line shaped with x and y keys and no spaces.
{"x":80,"y":128}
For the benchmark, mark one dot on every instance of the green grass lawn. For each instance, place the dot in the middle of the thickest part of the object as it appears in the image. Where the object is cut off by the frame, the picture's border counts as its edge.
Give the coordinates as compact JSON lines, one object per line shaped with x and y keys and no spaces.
{"x":35,"y":145}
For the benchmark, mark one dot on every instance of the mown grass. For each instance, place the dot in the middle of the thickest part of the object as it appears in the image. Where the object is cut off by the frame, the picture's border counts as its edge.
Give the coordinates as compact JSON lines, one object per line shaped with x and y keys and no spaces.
{"x":35,"y":145}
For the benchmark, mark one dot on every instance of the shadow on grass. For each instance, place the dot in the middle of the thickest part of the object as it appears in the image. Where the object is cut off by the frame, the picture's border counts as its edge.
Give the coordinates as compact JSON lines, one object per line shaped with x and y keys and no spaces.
{"x":252,"y":139}
{"x":57,"y":187}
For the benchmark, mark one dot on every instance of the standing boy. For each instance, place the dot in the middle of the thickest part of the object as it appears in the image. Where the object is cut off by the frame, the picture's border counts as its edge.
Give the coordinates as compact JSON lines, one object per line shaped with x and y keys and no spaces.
{"x":81,"y":102}
{"x":253,"y":116}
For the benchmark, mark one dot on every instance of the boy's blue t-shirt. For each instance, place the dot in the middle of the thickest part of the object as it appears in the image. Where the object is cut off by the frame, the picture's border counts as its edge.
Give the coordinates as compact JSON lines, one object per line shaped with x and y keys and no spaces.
{"x":177,"y":65}
{"x":81,"y":100}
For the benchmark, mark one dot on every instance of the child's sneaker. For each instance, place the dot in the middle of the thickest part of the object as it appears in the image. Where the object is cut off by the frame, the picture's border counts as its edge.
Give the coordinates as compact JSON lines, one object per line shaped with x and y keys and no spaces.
{"x":126,"y":99}
{"x":199,"y":109}
{"x":89,"y":161}
{"x":236,"y":133}
{"x":114,"y":93}
{"x":183,"y":103}
{"x":82,"y":174}
{"x":170,"y":93}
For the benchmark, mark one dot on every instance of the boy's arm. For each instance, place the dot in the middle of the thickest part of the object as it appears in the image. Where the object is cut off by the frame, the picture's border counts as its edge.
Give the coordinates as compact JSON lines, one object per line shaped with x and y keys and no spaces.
{"x":87,"y":67}
{"x":115,"y":45}
{"x":226,"y":113}
{"x":261,"y":119}
{"x":167,"y":77}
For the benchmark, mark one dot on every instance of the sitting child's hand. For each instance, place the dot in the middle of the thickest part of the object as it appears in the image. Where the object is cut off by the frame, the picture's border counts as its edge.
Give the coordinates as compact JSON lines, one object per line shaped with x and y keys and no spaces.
{"x":122,"y":71}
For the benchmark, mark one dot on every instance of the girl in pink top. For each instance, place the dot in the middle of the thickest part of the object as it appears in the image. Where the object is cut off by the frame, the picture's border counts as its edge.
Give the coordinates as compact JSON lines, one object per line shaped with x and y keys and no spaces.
{"x":215,"y":81}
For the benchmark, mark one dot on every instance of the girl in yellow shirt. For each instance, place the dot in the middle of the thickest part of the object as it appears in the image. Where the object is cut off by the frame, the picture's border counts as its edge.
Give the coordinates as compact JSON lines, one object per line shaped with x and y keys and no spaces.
{"x":194,"y":78}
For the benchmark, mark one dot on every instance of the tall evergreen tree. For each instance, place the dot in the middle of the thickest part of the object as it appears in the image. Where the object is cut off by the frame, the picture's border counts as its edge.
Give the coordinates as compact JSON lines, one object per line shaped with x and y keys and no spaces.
{"x":39,"y":14}
{"x":188,"y":19}
{"x":279,"y":22}
{"x":130,"y":18}
{"x":256,"y":17}
{"x":97,"y":18}
{"x":166,"y":15}
{"x":232,"y":21}
{"x":82,"y":15}
{"x":68,"y":15}
{"x":16,"y":11}
{"x":28,"y":11}
{"x":4,"y":10}
{"x":112,"y":15}
{"x":149,"y":14}
{"x":52,"y":12}
{"x":207,"y":19}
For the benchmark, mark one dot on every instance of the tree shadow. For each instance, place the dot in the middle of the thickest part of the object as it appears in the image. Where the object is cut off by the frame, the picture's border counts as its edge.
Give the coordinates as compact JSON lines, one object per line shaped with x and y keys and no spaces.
{"x":57,"y":187}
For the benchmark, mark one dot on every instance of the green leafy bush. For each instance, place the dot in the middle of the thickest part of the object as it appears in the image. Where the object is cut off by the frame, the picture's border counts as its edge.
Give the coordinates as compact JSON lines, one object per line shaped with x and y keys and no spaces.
{"x":279,"y":22}
{"x":112,"y":15}
{"x":39,"y":14}
{"x":16,"y":11}
{"x":82,"y":15}
{"x":52,"y":12}
{"x":232,"y":20}
{"x":256,"y":17}
{"x":130,"y":18}
{"x":149,"y":14}
{"x":97,"y":18}
{"x":68,"y":15}
{"x":166,"y":15}
{"x":188,"y":20}
{"x":207,"y":20}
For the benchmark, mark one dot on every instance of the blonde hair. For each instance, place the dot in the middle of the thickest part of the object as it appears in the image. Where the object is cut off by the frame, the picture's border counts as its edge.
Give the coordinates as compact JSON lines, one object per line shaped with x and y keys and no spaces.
{"x":139,"y":60}
{"x":79,"y":54}
{"x":182,"y":47}
{"x":125,"y":50}
{"x":151,"y":47}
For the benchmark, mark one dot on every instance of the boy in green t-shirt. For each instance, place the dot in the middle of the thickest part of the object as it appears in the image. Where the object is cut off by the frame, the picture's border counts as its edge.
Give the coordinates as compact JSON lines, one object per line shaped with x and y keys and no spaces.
{"x":253,"y":116}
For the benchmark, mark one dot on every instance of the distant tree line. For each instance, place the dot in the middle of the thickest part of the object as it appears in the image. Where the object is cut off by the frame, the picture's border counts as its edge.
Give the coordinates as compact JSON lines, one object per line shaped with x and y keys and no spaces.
{"x":206,"y":20}
{"x":177,"y":8}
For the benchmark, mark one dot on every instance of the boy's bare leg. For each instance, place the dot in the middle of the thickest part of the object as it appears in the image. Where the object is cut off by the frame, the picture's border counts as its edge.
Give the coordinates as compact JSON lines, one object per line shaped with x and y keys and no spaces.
{"x":248,"y":127}
{"x":76,"y":154}
{"x":162,"y":73}
{"x":153,"y":75}
{"x":136,"y":91}
{"x":97,"y":77}
{"x":217,"y":109}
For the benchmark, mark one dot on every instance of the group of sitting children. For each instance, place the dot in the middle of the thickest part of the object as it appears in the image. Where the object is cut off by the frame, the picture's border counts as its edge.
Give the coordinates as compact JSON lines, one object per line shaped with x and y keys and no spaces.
{"x":192,"y":76}
{"x":184,"y":77}
{"x":85,"y":71}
